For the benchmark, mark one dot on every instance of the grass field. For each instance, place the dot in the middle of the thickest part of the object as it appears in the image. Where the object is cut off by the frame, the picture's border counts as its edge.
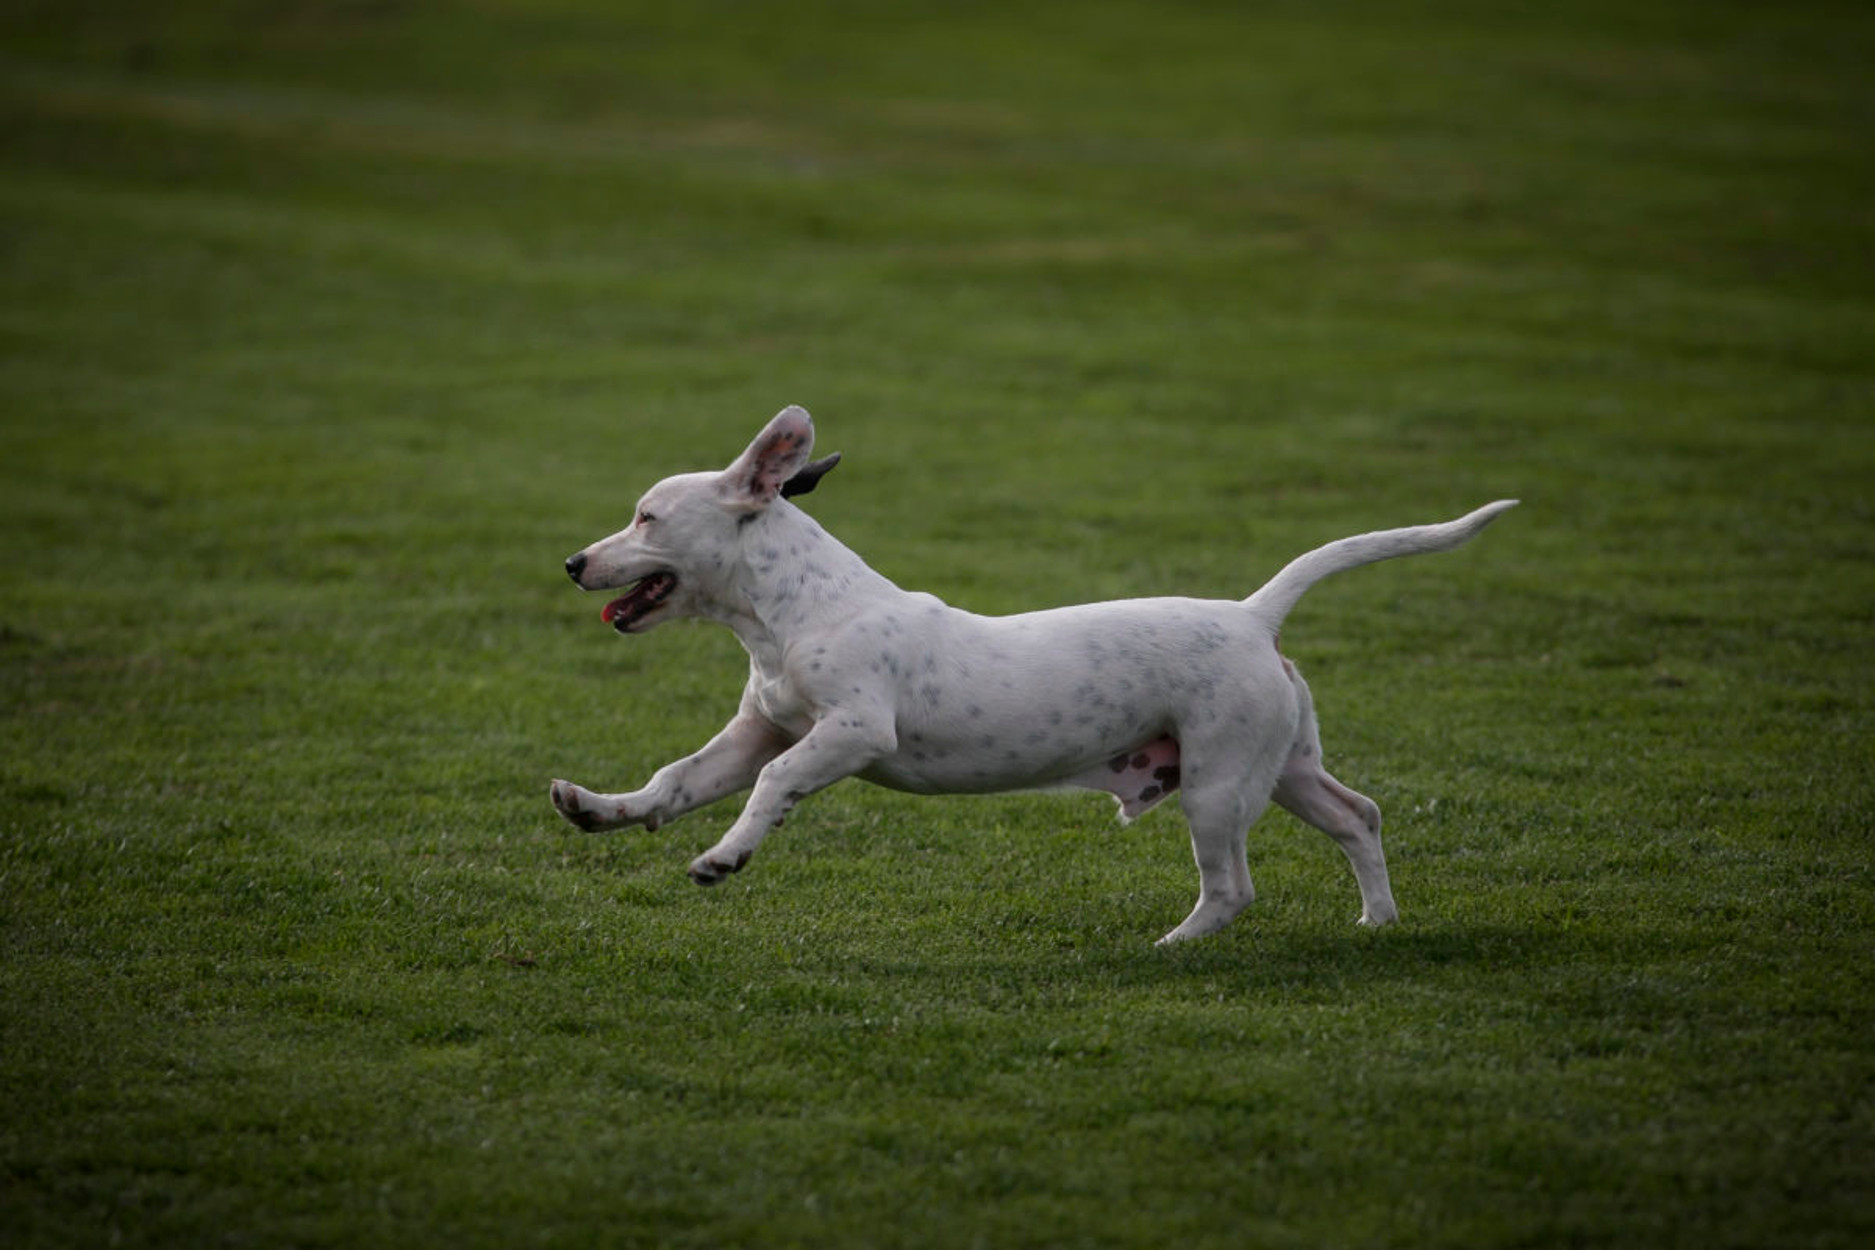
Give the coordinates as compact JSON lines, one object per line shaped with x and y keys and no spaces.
{"x":330,"y":329}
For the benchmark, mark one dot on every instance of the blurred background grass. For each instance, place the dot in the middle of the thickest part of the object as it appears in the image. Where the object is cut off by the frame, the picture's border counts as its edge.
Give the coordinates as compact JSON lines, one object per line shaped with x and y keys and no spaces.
{"x":329,"y":329}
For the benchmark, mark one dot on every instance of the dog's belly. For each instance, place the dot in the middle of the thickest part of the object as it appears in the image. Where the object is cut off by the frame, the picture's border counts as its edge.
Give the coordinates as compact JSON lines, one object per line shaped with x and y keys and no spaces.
{"x":992,"y":753}
{"x":1140,"y":777}
{"x":914,"y":775}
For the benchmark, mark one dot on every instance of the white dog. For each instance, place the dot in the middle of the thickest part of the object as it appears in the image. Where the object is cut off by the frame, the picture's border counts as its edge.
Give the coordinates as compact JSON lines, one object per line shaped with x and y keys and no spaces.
{"x":851,"y":676}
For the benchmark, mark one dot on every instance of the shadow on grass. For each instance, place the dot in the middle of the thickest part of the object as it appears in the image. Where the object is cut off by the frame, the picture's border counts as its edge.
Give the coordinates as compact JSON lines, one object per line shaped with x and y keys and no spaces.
{"x":1309,"y":964}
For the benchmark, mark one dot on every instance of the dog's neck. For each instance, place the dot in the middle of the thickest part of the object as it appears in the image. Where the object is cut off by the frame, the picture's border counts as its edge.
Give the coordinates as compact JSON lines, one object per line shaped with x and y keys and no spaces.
{"x":790,"y":579}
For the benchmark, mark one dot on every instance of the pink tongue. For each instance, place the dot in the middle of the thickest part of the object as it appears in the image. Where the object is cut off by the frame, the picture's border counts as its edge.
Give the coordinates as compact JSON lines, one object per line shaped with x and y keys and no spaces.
{"x":612,"y":609}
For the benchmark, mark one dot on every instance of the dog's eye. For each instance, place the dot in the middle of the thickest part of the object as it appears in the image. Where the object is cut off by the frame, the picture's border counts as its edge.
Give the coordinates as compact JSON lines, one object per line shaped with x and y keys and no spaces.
{"x":645,"y":518}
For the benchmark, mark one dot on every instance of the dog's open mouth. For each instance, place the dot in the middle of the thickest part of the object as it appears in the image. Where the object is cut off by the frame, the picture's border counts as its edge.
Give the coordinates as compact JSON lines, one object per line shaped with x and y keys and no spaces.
{"x":637,"y":603}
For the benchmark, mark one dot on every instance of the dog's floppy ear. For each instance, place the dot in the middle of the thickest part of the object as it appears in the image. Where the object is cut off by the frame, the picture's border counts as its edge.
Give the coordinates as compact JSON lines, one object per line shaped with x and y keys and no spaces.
{"x":809,"y":477}
{"x":764,"y":468}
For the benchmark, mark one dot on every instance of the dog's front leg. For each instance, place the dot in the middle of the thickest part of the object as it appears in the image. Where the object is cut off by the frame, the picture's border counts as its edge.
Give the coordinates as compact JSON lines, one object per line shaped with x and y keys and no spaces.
{"x":729,"y":762}
{"x":838,"y":745}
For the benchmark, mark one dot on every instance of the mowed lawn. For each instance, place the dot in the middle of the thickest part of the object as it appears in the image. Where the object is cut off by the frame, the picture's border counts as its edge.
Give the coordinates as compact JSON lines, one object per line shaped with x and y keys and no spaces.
{"x":331,"y":329}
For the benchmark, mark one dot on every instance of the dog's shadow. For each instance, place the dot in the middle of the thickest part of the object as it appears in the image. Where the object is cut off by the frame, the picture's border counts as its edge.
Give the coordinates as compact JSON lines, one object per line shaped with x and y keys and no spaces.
{"x":1318,"y":964}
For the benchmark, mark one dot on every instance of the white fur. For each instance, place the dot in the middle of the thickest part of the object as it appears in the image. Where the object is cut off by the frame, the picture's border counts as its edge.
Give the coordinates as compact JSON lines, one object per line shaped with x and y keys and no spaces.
{"x":851,"y":676}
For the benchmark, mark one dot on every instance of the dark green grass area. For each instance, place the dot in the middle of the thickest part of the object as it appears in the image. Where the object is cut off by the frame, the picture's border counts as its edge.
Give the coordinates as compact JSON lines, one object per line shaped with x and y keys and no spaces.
{"x":330,"y":329}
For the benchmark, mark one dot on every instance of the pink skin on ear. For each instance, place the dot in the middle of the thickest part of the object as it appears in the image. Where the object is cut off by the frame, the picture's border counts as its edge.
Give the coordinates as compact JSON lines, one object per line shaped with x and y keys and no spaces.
{"x":776,"y":455}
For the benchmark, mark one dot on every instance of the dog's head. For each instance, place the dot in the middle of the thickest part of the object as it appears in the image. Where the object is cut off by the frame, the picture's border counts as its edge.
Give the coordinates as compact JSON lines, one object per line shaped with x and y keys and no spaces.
{"x":680,"y":549}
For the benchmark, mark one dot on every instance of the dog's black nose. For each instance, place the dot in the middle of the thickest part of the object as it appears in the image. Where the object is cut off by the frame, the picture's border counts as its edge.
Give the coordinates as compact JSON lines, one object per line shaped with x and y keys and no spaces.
{"x":575,"y":565}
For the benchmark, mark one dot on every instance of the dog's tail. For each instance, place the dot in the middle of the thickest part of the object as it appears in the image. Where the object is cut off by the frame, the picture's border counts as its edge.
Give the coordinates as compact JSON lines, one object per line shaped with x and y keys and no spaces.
{"x":1283,"y":591}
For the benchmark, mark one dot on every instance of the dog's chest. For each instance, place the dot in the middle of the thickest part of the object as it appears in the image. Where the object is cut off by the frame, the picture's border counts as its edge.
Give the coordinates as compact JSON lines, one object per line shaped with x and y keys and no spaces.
{"x":781,"y":702}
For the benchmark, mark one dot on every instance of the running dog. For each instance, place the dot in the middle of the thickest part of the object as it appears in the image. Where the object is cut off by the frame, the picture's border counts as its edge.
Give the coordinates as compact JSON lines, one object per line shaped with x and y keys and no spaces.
{"x":850,"y":676}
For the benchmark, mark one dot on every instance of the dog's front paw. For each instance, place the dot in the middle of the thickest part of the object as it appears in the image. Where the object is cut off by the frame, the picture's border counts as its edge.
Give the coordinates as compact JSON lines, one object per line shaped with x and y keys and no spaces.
{"x":707,"y":869}
{"x":579,"y":805}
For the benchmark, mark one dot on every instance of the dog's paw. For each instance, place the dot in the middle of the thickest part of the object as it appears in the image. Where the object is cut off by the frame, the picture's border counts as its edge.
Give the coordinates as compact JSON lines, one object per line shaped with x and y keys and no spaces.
{"x":707,"y":870}
{"x":578,"y":805}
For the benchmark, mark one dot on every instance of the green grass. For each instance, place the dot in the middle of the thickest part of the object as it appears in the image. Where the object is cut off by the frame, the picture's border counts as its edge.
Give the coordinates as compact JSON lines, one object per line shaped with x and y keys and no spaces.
{"x":330,"y":329}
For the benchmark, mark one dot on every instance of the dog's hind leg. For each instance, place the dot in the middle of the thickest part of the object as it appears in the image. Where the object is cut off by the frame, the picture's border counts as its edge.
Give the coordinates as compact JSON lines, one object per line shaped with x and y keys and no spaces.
{"x":1353,"y":821}
{"x":1220,"y":816}
{"x":1224,"y":793}
{"x":1350,"y":818}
